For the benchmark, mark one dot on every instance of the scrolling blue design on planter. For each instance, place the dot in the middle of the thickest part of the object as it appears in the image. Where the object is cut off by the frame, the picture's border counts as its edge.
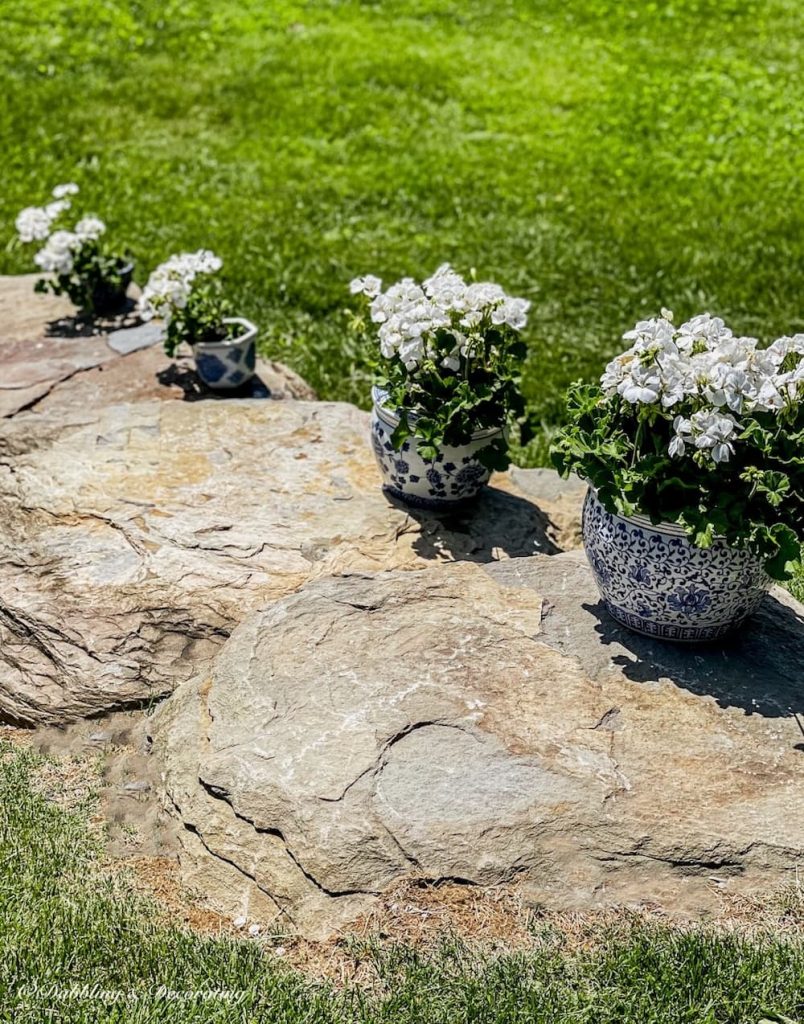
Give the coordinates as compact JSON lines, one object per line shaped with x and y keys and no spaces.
{"x":690,"y":601}
{"x":454,"y":476}
{"x":653,"y":580}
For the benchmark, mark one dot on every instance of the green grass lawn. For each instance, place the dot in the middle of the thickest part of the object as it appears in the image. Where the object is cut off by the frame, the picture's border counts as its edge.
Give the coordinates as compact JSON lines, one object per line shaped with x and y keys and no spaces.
{"x":78,"y":947}
{"x":602,"y":158}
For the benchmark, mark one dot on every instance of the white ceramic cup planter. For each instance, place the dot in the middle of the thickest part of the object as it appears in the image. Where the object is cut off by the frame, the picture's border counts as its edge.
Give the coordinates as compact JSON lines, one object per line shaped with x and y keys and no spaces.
{"x":228,"y":364}
{"x":456,"y":475}
{"x":655,"y":581}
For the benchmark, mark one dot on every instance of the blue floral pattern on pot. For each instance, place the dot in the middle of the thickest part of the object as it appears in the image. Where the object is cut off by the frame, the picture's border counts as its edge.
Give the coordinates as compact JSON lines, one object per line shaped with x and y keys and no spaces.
{"x":228,"y":364}
{"x":655,"y":581}
{"x":454,"y":476}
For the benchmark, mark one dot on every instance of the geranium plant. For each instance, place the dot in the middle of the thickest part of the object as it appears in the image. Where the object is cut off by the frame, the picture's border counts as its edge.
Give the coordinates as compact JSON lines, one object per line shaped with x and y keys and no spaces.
{"x":83,"y":266}
{"x":694,"y":426}
{"x":186,"y":294}
{"x":450,"y":353}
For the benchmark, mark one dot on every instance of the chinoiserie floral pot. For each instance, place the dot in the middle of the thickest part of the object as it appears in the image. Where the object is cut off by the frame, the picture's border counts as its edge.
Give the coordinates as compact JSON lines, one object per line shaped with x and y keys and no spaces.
{"x":227,"y":364}
{"x":107,"y":298}
{"x":655,"y":581}
{"x":453,"y":477}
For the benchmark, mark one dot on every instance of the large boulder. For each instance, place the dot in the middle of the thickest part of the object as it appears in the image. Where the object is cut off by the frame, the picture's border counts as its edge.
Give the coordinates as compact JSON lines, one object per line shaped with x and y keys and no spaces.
{"x":137,"y":535}
{"x":486,"y":724}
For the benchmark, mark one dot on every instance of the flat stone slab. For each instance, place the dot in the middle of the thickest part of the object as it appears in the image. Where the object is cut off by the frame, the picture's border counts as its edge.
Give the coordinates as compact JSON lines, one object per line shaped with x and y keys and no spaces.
{"x":124,"y":342}
{"x":50,"y":358}
{"x":148,"y":375}
{"x":137,"y":535}
{"x":24,"y":314}
{"x":489,"y":724}
{"x":42,"y":343}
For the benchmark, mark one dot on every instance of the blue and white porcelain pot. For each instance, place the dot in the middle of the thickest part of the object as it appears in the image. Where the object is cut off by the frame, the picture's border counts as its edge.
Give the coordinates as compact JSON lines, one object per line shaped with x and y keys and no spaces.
{"x":455,"y":475}
{"x":227,"y":364}
{"x":655,"y":581}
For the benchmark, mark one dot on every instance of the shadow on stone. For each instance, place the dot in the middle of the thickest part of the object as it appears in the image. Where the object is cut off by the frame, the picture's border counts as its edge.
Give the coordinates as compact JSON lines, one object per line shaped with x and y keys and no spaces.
{"x":85,"y":325}
{"x":759,"y":669}
{"x":195,"y":390}
{"x":494,"y":524}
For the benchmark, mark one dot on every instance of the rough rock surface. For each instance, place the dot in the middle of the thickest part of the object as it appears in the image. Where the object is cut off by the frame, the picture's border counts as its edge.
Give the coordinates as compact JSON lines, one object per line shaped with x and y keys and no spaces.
{"x":136,"y":535}
{"x":487,"y":724}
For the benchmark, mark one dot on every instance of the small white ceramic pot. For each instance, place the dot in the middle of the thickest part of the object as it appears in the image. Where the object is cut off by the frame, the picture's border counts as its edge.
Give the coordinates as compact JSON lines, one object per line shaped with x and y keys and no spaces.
{"x":227,"y":364}
{"x":453,"y":477}
{"x":655,"y":581}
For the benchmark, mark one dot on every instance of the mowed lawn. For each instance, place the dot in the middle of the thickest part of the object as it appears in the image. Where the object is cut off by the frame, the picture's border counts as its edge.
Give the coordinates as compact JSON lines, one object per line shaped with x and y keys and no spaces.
{"x":601,"y":158}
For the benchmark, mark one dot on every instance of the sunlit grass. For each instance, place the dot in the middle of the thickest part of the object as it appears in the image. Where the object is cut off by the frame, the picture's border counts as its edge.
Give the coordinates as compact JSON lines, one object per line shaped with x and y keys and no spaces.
{"x":603,"y":159}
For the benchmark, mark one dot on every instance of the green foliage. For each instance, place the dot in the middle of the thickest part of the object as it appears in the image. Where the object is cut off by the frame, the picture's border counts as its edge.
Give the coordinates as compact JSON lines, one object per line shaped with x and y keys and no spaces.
{"x":96,"y":270}
{"x":754,"y":500}
{"x":201,"y":318}
{"x":445,"y":407}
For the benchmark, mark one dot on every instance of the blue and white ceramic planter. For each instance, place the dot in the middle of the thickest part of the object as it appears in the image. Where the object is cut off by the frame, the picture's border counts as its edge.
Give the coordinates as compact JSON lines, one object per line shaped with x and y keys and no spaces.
{"x":453,"y":477}
{"x":228,"y":364}
{"x":655,"y":581}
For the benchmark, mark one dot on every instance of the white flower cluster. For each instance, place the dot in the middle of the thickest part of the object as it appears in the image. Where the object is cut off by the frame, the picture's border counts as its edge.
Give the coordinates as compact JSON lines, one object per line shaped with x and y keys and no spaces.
{"x":411,"y":314}
{"x":35,"y":224}
{"x":170,"y":285}
{"x":716,"y":376}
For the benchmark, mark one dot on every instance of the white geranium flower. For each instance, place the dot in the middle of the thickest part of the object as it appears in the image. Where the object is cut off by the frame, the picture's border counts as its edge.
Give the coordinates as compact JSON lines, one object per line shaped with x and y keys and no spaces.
{"x":677,"y":377}
{"x":513,"y":312}
{"x":446,"y":287}
{"x":702,"y":330}
{"x":640,"y":385}
{"x":57,"y":207}
{"x":483,"y":294}
{"x":412,"y":317}
{"x":56,"y":257}
{"x":707,"y":431}
{"x":169,"y":286}
{"x":713,"y":431}
{"x":412,"y":352}
{"x":68,"y":189}
{"x":33,"y":224}
{"x":369,"y":285}
{"x":783,"y":347}
{"x":650,"y":335}
{"x":677,"y":447}
{"x":90,"y":228}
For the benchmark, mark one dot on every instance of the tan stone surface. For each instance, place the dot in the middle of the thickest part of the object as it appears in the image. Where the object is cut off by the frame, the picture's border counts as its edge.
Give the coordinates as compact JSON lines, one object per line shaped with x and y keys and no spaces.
{"x":135,"y":536}
{"x":42,"y":343}
{"x":149,"y":374}
{"x":24,"y":315}
{"x":487,"y":725}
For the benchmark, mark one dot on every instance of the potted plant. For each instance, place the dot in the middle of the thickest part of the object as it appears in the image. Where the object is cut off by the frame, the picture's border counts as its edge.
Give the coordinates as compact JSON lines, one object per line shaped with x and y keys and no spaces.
{"x":187,"y":295}
{"x":693,"y":448}
{"x":94,"y":277}
{"x":446,"y":386}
